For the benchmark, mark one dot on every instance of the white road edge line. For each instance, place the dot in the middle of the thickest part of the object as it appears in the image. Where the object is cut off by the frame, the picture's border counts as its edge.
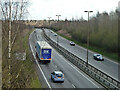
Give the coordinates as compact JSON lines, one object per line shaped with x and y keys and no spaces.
{"x":80,"y":72}
{"x":73,"y":86}
{"x":40,"y":68}
{"x":93,"y":52}
{"x":55,"y":65}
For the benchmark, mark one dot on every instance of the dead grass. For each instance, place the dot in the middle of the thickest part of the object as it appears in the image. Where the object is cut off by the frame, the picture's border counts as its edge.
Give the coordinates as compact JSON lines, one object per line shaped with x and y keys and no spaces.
{"x":65,"y":33}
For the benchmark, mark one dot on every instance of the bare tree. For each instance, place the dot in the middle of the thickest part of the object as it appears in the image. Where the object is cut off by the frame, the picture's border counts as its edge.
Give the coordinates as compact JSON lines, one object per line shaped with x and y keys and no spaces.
{"x":12,"y":13}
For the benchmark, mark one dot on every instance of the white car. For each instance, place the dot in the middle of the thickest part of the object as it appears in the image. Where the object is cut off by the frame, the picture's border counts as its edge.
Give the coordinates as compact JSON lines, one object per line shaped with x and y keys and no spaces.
{"x":98,"y":57}
{"x":55,"y":34}
{"x":72,"y":43}
{"x":57,"y":76}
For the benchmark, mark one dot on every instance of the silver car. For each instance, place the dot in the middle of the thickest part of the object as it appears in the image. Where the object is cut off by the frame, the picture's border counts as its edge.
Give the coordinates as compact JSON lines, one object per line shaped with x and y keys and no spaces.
{"x":98,"y":57}
{"x":57,"y":76}
{"x":72,"y":43}
{"x":55,"y":34}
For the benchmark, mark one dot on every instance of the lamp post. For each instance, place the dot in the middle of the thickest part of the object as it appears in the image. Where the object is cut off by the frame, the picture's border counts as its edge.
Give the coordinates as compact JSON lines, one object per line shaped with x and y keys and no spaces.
{"x":49,"y":20}
{"x":58,"y":16}
{"x":58,"y":21}
{"x":49,"y":26}
{"x":88,"y":35}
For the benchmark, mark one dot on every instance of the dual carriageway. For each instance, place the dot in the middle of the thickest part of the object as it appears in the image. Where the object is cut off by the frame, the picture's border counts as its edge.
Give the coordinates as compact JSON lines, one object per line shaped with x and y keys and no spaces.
{"x":74,"y":77}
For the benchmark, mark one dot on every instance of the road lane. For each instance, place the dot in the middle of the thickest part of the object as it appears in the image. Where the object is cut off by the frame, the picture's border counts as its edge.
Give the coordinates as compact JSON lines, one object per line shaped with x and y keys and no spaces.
{"x":107,"y":66}
{"x":73,"y":78}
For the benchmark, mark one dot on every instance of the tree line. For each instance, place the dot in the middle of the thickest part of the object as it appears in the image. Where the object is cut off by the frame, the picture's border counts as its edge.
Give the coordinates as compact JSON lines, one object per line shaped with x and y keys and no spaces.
{"x":103,"y":30}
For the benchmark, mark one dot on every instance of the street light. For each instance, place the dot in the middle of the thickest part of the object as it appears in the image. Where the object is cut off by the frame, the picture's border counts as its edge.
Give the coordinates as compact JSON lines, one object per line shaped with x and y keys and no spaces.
{"x":88,"y":35}
{"x":49,"y":26}
{"x":58,"y":16}
{"x":58,"y":21}
{"x":49,"y":20}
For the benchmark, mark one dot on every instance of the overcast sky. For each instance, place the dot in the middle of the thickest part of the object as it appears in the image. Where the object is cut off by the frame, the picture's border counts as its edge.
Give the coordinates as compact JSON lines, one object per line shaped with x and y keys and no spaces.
{"x":41,"y":9}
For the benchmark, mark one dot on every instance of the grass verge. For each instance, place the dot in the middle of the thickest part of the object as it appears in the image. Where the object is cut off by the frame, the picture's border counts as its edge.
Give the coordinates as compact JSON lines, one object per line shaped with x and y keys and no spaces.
{"x":35,"y":83}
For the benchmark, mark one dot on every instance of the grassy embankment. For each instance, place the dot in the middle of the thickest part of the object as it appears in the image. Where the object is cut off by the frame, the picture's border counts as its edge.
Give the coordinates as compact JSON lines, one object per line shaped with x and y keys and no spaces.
{"x":23,"y":73}
{"x":35,"y":81}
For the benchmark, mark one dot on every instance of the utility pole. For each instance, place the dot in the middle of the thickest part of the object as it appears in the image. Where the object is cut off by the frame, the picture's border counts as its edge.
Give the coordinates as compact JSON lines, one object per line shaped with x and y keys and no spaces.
{"x":88,"y":35}
{"x":57,"y":35}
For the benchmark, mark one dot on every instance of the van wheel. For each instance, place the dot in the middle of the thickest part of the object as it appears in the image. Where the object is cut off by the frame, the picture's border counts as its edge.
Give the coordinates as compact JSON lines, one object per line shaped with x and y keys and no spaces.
{"x":48,"y":61}
{"x":36,"y":55}
{"x":53,"y":80}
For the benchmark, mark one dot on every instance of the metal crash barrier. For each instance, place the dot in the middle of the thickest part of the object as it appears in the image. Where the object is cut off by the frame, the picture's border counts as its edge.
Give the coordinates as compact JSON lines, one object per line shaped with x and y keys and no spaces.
{"x":99,"y":76}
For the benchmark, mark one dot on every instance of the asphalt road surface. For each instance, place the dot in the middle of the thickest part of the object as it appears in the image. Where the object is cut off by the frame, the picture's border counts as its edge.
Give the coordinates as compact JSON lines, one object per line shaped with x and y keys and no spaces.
{"x":107,"y":66}
{"x":74,"y":78}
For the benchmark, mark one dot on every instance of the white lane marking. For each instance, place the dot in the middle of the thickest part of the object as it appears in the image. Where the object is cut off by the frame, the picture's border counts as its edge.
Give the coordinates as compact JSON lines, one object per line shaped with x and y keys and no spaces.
{"x":40,"y":68}
{"x":73,"y":86}
{"x":55,"y":65}
{"x":92,"y":52}
{"x":78,"y":71}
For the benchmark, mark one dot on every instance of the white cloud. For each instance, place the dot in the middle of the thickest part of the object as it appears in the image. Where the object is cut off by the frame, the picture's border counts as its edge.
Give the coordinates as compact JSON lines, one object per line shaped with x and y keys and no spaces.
{"x":41,"y":9}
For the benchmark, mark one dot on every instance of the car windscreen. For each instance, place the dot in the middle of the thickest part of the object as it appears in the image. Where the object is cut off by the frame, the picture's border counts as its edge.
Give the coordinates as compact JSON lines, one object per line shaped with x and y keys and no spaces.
{"x":59,"y":75}
{"x":98,"y":55}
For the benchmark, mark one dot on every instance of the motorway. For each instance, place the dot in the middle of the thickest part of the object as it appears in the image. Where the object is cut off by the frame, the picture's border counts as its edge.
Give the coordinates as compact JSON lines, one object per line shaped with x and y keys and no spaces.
{"x":74,"y":78}
{"x":107,"y":66}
